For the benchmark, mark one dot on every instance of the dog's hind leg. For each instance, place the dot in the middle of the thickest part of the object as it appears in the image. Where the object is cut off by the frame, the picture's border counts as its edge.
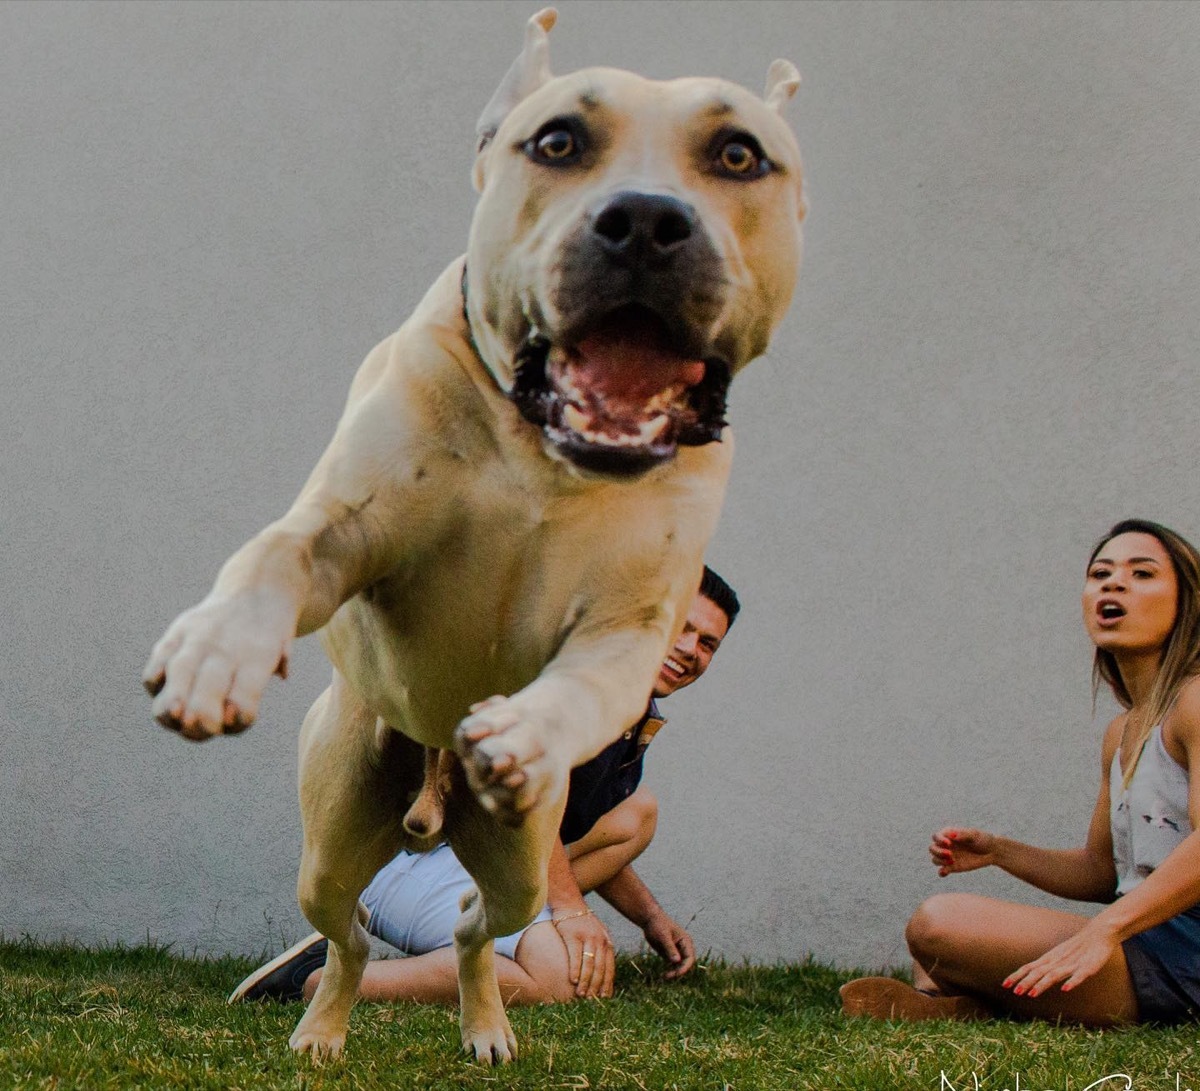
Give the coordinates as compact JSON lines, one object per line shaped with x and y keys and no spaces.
{"x":353,"y":770}
{"x":509,"y":868}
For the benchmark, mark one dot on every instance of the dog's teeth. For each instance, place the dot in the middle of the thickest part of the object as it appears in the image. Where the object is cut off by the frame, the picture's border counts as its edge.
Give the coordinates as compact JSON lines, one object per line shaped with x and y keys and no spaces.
{"x":654,"y":427}
{"x":585,"y":426}
{"x":664,"y":399}
{"x":575,"y":419}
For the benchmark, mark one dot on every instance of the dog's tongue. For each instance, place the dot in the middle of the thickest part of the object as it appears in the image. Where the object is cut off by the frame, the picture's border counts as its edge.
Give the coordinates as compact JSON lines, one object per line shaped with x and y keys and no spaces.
{"x":629,"y":358}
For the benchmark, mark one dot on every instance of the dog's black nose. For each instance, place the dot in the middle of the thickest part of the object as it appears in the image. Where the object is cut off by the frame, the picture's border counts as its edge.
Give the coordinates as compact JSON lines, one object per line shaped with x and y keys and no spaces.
{"x":635,"y":227}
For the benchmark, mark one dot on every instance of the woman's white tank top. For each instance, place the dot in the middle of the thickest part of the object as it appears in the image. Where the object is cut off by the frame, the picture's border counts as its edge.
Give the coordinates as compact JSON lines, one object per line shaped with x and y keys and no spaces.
{"x":1149,"y":818}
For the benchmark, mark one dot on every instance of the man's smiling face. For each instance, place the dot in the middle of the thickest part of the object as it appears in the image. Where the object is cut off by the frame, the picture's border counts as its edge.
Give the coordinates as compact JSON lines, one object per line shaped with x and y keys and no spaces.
{"x":702,"y":634}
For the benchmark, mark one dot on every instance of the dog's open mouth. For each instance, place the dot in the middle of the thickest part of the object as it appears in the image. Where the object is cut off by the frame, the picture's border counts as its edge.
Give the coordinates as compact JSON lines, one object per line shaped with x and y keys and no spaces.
{"x":621,"y":397}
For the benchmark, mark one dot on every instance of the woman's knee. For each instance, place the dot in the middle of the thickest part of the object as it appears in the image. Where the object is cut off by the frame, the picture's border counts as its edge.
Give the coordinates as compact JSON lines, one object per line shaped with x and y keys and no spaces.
{"x":935,"y":929}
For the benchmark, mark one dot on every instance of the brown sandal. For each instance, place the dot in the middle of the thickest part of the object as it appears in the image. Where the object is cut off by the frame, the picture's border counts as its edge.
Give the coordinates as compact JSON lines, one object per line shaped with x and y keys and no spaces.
{"x":888,"y":998}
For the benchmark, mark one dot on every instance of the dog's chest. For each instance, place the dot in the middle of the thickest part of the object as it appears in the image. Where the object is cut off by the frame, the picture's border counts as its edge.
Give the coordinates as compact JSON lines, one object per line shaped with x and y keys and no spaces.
{"x":489,"y":605}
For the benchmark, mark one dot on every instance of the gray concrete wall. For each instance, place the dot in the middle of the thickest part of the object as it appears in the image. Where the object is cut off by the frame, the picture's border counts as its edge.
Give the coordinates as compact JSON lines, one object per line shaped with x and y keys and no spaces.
{"x":209,"y":212}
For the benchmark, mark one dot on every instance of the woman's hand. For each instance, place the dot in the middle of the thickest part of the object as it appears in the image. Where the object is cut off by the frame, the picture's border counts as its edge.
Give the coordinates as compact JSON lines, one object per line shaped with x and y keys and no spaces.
{"x":954,"y":849}
{"x":1070,"y":963}
{"x":591,"y":961}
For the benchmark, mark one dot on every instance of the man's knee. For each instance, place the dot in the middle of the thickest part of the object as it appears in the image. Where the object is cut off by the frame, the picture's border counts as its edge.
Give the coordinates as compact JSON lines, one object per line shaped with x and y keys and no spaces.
{"x":556,"y":991}
{"x":635,"y":820}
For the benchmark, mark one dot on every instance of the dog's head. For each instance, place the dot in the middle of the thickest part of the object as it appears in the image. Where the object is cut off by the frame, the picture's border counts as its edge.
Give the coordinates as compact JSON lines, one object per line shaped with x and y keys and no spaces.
{"x":635,"y":244}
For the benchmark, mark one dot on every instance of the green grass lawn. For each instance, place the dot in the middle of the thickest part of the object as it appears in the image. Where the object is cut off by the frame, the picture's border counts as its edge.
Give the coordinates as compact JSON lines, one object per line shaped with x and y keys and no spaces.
{"x":144,"y":1018}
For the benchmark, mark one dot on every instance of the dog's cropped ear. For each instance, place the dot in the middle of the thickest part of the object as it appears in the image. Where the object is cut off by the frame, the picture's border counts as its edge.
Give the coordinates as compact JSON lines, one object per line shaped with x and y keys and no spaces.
{"x":528,"y":72}
{"x":782,"y":82}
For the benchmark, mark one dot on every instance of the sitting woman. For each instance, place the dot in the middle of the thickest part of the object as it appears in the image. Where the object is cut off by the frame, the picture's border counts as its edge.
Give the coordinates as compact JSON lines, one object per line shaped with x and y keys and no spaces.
{"x":1139,"y":958}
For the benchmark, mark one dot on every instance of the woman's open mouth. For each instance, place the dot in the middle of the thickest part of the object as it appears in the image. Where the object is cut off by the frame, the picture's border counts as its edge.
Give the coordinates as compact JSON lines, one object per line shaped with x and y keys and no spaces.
{"x":622,"y":397}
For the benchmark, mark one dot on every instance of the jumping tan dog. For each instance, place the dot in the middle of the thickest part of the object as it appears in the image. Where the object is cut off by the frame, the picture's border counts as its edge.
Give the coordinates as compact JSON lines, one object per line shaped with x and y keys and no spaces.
{"x":516,"y":501}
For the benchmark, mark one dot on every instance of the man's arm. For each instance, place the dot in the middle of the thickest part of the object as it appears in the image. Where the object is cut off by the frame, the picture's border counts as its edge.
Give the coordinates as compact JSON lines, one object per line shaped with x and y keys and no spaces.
{"x":590,"y":956}
{"x":631,"y":897}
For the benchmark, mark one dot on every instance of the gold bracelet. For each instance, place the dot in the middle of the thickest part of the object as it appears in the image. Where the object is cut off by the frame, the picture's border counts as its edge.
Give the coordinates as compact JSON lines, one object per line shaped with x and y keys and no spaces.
{"x":556,"y":921}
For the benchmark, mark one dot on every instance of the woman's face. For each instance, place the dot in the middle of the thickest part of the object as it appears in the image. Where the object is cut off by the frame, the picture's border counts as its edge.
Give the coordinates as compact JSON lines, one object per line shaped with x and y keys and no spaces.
{"x":1129,"y":596}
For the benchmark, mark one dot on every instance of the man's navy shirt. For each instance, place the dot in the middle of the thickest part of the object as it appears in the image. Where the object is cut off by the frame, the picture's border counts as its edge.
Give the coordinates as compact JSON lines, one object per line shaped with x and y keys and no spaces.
{"x":598,"y":785}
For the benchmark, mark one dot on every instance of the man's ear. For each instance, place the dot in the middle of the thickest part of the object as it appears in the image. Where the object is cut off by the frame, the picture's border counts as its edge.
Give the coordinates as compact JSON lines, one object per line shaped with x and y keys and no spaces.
{"x":529,"y":71}
{"x":782,"y":83}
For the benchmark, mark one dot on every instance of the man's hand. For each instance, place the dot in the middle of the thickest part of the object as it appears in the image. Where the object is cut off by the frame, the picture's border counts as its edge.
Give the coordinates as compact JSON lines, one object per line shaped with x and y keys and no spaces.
{"x":591,"y":961}
{"x":627,"y":894}
{"x":590,"y":956}
{"x":672,"y":943}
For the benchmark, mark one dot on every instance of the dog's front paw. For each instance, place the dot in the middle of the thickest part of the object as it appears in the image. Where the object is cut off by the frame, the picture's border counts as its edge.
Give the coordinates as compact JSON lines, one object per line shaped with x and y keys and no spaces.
{"x":208,"y":672}
{"x":319,"y":1043}
{"x":492,"y":1045}
{"x":507,"y":763}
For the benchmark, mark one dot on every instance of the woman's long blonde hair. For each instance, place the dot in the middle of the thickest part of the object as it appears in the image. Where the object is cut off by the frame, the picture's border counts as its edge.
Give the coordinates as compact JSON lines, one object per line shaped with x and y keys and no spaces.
{"x":1181,"y":652}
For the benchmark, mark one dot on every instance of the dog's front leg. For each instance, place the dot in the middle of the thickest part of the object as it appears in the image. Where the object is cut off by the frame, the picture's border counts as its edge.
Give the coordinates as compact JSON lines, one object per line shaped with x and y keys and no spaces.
{"x":518,"y":751}
{"x":210,"y":668}
{"x":351,"y":524}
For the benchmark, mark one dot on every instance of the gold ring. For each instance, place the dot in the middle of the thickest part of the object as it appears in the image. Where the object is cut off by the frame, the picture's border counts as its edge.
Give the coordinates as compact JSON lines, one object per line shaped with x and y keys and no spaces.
{"x":588,"y":954}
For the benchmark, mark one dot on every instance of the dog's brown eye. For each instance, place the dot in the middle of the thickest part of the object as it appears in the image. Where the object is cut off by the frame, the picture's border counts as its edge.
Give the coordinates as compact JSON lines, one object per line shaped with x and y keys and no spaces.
{"x":560,"y":142}
{"x":556,"y":145}
{"x":739,"y":158}
{"x":739,"y":155}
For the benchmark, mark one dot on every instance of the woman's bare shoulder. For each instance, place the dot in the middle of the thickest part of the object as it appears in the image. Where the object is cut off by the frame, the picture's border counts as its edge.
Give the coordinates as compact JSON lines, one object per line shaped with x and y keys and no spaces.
{"x":1112,"y":740}
{"x":1182,"y":724}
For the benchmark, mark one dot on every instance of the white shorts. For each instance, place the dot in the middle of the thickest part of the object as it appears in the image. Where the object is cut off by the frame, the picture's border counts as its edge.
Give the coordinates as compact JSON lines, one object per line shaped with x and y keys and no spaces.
{"x":413,"y":901}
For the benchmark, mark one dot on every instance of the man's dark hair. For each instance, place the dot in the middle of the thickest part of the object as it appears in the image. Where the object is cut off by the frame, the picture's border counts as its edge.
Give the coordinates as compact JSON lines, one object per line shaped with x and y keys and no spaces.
{"x":716,"y":590}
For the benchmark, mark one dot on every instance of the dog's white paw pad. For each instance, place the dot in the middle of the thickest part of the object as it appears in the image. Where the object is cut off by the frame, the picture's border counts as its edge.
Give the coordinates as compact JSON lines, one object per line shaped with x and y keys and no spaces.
{"x":503,"y":759}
